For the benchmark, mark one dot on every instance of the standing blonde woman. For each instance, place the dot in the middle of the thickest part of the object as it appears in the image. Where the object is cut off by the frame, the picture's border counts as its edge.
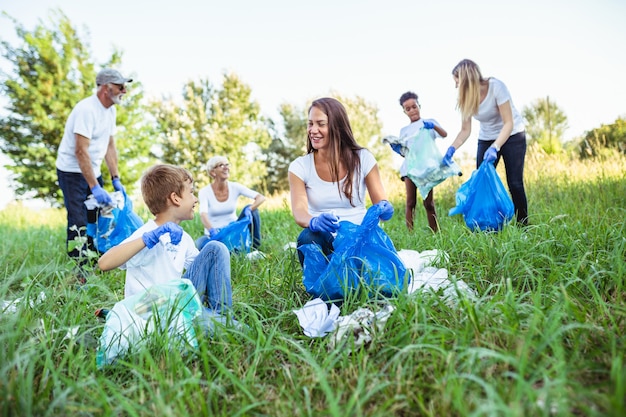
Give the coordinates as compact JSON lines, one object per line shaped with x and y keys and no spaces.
{"x":501,"y":131}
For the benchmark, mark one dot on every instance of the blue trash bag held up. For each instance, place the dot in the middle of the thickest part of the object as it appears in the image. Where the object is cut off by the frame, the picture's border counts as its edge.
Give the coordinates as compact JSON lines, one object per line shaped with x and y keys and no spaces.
{"x":236,"y":236}
{"x":363,"y":256}
{"x":113,"y":227}
{"x":483,"y":201}
{"x":424,"y":163}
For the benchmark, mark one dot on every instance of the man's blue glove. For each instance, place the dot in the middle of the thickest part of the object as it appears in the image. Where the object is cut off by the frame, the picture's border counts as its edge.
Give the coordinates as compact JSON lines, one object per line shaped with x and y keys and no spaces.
{"x":386,"y":210}
{"x":490,"y":154}
{"x":325,"y":222}
{"x":428,"y":125}
{"x":247,"y":212}
{"x":397,"y":148}
{"x":151,"y":238}
{"x":102,"y":197}
{"x":117,"y":185}
{"x":447,"y":159}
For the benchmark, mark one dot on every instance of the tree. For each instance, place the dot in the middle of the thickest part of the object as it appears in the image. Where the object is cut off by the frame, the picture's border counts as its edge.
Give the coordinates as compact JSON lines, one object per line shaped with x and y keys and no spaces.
{"x":51,"y":72}
{"x":283,"y":150}
{"x":612,"y":136}
{"x":545,"y":124}
{"x":224,"y":121}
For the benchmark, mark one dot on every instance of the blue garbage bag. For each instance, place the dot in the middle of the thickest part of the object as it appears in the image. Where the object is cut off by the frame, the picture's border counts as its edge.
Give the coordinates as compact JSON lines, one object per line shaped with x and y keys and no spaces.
{"x":483,"y":201}
{"x":236,"y":235}
{"x":364,"y":257}
{"x":115,"y":225}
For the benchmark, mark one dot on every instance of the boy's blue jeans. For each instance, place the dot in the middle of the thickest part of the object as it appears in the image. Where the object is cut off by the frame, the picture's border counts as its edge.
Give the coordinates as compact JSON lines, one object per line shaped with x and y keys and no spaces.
{"x":513,"y":153}
{"x":210,"y":275}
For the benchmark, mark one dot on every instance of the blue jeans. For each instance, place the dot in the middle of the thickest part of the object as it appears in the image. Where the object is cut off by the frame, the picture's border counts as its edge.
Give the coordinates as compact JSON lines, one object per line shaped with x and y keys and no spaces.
{"x":513,"y":152}
{"x":323,"y":239}
{"x":75,"y":191}
{"x":210,"y":275}
{"x":255,"y":231}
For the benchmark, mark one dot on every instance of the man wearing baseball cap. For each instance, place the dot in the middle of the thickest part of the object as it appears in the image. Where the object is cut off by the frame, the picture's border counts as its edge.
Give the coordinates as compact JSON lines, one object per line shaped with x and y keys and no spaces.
{"x":87,"y":141}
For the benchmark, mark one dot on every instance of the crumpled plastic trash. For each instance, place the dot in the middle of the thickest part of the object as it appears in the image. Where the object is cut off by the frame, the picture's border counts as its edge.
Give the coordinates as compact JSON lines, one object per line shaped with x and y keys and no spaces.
{"x":105,"y":210}
{"x":315,"y":319}
{"x":361,"y":326}
{"x":427,"y":277}
{"x":10,"y":306}
{"x":394,"y":140}
{"x":254,"y":255}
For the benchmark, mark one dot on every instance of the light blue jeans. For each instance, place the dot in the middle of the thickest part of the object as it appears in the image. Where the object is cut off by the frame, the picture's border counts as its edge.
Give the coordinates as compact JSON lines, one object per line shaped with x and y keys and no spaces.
{"x":210,"y":275}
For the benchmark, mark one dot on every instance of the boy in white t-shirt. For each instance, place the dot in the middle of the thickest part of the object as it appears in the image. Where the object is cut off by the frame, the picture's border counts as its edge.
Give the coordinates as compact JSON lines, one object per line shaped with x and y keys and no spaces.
{"x":160,"y":250}
{"x":411,"y":107}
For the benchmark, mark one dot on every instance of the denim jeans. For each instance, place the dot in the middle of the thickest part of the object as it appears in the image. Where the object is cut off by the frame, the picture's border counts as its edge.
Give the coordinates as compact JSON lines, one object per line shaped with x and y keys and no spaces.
{"x":513,"y":152}
{"x":210,"y":275}
{"x":323,"y":239}
{"x":75,"y":191}
{"x":255,"y":231}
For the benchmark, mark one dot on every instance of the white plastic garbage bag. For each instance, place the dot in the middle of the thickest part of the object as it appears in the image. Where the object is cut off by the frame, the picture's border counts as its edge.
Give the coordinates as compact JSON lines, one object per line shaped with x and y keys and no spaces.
{"x":170,"y":308}
{"x":315,"y":318}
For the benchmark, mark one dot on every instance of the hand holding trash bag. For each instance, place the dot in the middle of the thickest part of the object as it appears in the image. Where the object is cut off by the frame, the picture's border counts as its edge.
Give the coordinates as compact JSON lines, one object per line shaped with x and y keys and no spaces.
{"x":447,"y":159}
{"x":325,"y":222}
{"x":101,"y":196}
{"x":247,"y":212}
{"x":117,"y":185}
{"x":213,"y":232}
{"x":397,"y":148}
{"x":428,"y":125}
{"x":386,"y":210}
{"x":151,"y":238}
{"x":491,"y":154}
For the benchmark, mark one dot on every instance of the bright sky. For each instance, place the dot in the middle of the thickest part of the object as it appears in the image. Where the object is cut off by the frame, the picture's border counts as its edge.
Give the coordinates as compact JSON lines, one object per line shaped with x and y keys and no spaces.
{"x":292,"y":51}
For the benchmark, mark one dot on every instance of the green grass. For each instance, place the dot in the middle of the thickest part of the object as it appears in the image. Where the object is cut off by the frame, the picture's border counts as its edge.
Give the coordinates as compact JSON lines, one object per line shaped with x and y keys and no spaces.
{"x":545,"y":337}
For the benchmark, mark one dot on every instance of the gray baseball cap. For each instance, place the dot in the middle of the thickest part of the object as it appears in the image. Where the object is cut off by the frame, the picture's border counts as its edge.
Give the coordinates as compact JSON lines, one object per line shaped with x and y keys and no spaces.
{"x":109,"y":75}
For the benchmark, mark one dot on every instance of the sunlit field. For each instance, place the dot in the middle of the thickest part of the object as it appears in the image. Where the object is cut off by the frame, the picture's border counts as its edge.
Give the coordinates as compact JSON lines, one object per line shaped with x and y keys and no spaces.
{"x":544,"y":337}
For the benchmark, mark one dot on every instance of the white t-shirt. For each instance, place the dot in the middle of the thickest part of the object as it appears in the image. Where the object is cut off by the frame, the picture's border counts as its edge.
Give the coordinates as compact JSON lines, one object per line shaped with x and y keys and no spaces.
{"x":324,"y":196}
{"x":222,"y":213}
{"x":89,"y":118}
{"x":164,"y":262}
{"x":407,"y":132}
{"x":489,"y":115}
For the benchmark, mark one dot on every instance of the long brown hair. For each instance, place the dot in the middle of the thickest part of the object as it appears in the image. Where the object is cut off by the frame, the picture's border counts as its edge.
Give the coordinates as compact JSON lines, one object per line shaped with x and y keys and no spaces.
{"x":468,"y":73}
{"x":343,"y":148}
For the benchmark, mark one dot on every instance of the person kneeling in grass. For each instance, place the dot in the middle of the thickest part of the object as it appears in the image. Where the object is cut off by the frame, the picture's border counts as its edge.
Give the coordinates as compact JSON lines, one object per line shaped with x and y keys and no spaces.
{"x":160,"y":250}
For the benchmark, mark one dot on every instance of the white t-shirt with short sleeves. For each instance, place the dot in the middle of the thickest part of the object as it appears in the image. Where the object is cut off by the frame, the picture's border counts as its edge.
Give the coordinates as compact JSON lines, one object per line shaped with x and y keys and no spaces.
{"x":222,"y":213}
{"x":164,"y":262}
{"x":489,"y":115}
{"x":89,"y":118}
{"x":323,"y":196}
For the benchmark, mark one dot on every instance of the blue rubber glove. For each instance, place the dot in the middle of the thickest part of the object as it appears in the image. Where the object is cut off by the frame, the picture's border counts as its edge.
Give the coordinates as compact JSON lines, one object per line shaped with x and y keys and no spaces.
{"x":117,"y":185}
{"x":490,"y":154}
{"x":397,"y":148}
{"x":151,"y":238}
{"x":447,"y":159}
{"x":102,"y":197}
{"x":247,"y":212}
{"x":325,"y":222}
{"x":386,"y":210}
{"x":213,"y":232}
{"x":429,"y":125}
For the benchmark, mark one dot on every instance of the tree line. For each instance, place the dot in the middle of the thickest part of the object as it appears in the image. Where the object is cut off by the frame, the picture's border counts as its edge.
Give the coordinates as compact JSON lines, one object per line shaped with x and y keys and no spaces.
{"x":51,"y":70}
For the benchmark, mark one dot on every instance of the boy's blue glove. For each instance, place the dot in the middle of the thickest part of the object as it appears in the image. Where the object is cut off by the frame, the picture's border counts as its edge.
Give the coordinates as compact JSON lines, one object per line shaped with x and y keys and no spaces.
{"x":325,"y":222}
{"x":447,"y":159}
{"x":151,"y":238}
{"x":397,"y":148}
{"x":117,"y":185}
{"x":386,"y":210}
{"x":102,"y":197}
{"x":429,"y":125}
{"x":247,"y":212}
{"x":490,"y":154}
